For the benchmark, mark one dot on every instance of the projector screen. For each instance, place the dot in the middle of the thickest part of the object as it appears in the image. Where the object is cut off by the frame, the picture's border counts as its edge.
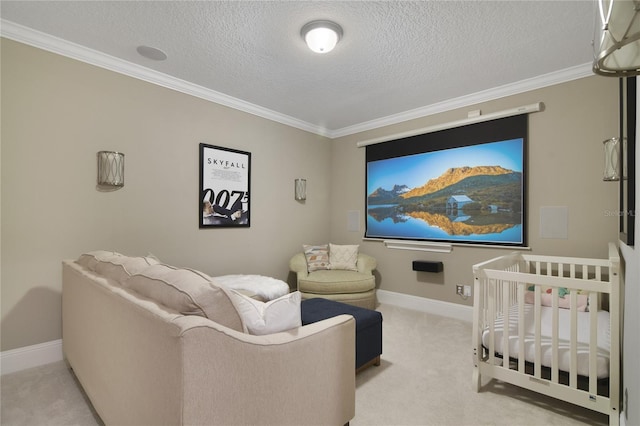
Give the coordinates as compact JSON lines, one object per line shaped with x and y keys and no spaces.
{"x":463,"y":185}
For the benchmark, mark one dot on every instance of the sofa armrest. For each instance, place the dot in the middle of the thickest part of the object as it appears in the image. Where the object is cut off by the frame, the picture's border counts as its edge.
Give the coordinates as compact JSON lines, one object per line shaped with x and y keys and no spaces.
{"x":302,"y":376}
{"x":366,"y":264}
{"x":298,"y":264}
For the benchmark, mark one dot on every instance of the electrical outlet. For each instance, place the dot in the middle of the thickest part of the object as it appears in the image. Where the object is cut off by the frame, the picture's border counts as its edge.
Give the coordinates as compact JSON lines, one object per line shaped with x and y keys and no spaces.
{"x":463,"y":290}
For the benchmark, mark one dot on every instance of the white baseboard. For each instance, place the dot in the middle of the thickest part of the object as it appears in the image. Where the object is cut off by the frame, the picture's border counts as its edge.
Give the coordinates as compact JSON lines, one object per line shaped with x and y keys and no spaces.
{"x":430,"y":306}
{"x":48,"y":352}
{"x":30,"y":356}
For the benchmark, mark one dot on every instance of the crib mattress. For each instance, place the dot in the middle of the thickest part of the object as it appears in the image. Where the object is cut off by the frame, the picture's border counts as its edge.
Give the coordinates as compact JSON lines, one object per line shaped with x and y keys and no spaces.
{"x":564,"y":354}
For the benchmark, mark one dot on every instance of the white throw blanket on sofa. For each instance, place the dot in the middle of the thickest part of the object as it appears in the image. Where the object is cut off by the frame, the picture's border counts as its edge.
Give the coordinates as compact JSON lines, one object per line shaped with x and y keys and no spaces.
{"x":266,"y":288}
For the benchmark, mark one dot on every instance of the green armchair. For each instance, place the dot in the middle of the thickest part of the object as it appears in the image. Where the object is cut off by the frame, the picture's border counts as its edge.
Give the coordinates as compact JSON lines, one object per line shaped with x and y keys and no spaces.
{"x":357,"y":288}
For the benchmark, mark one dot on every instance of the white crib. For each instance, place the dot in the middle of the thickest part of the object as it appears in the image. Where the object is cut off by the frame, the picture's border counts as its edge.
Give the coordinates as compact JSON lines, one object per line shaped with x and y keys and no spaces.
{"x":563,"y":315}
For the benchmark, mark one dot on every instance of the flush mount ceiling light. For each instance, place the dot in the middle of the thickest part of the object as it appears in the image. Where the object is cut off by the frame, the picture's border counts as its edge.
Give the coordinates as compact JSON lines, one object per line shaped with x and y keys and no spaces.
{"x":617,"y":43}
{"x":321,"y":36}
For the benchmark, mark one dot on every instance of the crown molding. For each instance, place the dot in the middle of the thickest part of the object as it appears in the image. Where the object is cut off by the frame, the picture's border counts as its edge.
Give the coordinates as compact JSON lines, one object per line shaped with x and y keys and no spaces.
{"x":29,"y":36}
{"x":545,"y":80}
{"x":66,"y":48}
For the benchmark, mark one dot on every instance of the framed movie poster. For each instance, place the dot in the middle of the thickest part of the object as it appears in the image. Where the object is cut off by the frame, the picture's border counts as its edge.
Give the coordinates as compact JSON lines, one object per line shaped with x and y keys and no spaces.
{"x":224,"y":187}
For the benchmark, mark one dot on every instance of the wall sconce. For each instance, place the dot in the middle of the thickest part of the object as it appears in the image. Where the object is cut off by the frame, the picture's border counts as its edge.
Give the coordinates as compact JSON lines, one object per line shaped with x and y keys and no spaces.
{"x":611,"y":159}
{"x":110,"y":169}
{"x":300,"y":186}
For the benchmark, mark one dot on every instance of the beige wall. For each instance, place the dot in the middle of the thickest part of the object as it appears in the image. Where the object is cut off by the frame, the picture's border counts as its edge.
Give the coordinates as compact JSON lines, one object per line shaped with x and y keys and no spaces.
{"x":565,"y":169}
{"x":57,"y":113}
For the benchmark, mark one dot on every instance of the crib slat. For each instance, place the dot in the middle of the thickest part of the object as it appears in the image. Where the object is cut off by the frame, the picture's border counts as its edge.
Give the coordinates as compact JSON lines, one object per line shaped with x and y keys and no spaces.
{"x":593,"y":344}
{"x":485,"y":300}
{"x":521,"y":360}
{"x":492,"y":315}
{"x":537,"y":368}
{"x":573,"y":344}
{"x":598,"y":278}
{"x":521,"y":363}
{"x":506,"y":311}
{"x":572,"y":270}
{"x":555,"y":376}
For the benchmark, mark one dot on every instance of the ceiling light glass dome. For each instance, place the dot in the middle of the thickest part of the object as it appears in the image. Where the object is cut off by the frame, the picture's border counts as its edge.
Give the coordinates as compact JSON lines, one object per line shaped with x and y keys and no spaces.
{"x":321,"y":36}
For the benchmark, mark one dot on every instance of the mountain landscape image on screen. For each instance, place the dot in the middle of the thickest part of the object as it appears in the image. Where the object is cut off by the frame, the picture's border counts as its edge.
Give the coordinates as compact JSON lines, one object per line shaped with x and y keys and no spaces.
{"x":463,"y":201}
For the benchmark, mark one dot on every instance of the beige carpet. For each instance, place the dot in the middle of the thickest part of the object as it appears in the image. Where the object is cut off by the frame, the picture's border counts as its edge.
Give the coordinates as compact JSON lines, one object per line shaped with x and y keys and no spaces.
{"x":424,"y":379}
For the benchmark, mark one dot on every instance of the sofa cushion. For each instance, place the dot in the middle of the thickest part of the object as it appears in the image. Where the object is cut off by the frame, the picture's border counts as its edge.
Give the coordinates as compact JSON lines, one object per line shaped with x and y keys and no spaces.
{"x":186,"y":291}
{"x":337,"y":281}
{"x":343,"y":257}
{"x":274,"y":316}
{"x":113,"y":265}
{"x":317,"y":257}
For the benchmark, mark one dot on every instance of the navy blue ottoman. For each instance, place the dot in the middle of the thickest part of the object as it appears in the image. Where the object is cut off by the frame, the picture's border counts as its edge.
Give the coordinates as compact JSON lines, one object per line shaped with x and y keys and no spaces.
{"x":368,"y":326}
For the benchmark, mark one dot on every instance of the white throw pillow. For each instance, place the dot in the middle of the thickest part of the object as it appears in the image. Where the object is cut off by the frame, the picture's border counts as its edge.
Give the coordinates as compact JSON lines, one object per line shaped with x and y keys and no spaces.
{"x":277,"y":315}
{"x":343,"y":257}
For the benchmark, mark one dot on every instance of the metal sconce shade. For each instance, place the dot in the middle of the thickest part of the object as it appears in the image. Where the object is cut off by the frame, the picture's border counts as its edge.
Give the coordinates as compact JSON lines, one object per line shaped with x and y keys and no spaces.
{"x":321,"y":36}
{"x":611,"y":159}
{"x":110,"y":169}
{"x":300,"y":189}
{"x":617,"y":42}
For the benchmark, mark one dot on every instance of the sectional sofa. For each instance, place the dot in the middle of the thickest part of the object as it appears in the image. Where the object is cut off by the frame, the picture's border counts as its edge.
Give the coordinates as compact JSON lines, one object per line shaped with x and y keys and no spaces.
{"x":153,"y":344}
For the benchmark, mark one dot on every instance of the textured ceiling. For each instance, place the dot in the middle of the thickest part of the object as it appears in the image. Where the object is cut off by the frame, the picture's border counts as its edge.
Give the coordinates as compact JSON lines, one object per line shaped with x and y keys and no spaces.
{"x":394,"y":56}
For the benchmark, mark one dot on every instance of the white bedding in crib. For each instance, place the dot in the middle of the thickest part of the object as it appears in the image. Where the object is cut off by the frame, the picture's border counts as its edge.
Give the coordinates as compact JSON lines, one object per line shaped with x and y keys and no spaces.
{"x":266,"y":288}
{"x":564,"y":354}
